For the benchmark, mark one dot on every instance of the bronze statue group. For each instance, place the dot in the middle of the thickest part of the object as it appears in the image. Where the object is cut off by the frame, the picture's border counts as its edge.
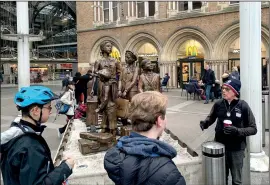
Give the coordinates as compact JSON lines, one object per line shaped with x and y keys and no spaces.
{"x":116,"y":85}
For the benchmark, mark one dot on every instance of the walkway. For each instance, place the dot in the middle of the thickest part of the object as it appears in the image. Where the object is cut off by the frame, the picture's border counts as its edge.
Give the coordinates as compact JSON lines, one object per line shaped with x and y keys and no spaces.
{"x":49,"y":83}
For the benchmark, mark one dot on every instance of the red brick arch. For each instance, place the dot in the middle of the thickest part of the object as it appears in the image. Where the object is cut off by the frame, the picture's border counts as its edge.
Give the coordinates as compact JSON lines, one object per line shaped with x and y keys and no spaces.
{"x":137,"y":40}
{"x":176,"y":39}
{"x":95,"y":51}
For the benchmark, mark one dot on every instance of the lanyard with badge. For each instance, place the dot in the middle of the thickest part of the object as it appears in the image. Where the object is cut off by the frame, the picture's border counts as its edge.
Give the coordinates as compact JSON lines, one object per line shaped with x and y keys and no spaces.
{"x":229,"y":110}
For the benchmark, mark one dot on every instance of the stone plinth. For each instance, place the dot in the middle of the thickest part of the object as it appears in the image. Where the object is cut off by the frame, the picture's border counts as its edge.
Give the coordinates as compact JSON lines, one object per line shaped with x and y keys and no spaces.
{"x":89,"y":169}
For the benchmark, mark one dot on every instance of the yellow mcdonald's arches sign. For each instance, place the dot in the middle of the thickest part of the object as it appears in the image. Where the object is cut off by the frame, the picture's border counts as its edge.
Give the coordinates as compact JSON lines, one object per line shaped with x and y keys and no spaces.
{"x":115,"y":54}
{"x":191,"y":51}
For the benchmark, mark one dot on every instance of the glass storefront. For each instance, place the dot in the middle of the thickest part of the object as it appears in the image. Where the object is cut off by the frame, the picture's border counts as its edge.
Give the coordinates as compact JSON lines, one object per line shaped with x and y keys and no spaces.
{"x":38,"y":72}
{"x":190,"y":63}
{"x":187,"y":69}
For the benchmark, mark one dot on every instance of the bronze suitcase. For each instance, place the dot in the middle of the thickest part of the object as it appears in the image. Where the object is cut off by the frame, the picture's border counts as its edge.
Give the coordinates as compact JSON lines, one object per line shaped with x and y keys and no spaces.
{"x":99,"y":137}
{"x":91,"y":115}
{"x":87,"y":147}
{"x":122,"y":107}
{"x":125,"y":130}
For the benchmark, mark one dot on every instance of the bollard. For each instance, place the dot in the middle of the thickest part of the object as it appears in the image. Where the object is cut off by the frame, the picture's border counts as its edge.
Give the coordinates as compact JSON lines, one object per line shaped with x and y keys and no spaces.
{"x":263,"y":121}
{"x":213,"y":163}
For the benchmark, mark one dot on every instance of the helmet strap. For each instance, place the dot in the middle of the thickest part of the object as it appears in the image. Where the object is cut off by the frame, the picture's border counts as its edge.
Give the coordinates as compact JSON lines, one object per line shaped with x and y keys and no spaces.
{"x":33,"y":119}
{"x":40,"y":116}
{"x":38,"y":122}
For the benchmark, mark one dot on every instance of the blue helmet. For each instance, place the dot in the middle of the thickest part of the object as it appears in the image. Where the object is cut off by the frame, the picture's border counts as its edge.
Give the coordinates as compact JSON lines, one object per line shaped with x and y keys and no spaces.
{"x":40,"y":95}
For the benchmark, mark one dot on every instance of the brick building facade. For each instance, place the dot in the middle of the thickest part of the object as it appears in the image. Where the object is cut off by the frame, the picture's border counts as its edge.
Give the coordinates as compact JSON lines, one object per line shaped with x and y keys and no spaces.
{"x":166,"y":26}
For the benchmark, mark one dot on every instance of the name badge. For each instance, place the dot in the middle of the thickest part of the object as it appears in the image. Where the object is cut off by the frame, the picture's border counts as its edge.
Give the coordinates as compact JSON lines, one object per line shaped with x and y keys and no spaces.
{"x":238,"y":115}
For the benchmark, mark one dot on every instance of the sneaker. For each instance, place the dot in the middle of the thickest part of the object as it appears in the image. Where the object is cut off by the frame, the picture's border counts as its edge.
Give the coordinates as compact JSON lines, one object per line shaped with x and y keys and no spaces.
{"x":206,"y":102}
{"x":59,"y":134}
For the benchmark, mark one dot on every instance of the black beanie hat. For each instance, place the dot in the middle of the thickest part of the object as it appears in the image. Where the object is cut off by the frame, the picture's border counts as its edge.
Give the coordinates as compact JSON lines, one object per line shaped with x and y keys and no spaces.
{"x":234,"y":85}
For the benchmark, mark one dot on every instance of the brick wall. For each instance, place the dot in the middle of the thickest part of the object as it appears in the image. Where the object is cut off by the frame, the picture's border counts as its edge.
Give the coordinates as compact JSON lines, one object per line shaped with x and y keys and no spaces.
{"x":85,"y":15}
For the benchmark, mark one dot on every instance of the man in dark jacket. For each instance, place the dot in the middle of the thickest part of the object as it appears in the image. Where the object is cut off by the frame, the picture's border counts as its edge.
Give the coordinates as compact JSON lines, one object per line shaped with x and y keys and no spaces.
{"x":25,"y":155}
{"x":235,"y":121}
{"x":209,"y":82}
{"x":141,"y":158}
{"x":81,"y":85}
{"x":165,"y":79}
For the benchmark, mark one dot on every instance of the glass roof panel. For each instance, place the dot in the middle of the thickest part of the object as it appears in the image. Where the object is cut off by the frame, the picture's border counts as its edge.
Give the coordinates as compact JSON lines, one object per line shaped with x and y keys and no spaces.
{"x":47,"y":9}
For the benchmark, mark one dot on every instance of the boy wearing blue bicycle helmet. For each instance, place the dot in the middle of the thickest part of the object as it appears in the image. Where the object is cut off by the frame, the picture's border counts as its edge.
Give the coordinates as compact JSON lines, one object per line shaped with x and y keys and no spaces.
{"x":25,"y":155}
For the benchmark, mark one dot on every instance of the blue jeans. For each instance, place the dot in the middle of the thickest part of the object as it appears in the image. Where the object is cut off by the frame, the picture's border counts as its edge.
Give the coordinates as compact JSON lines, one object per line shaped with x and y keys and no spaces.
{"x":208,"y":92}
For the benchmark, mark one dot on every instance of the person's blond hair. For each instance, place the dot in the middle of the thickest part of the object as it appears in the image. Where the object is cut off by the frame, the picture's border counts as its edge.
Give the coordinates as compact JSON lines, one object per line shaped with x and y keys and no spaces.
{"x":145,"y":108}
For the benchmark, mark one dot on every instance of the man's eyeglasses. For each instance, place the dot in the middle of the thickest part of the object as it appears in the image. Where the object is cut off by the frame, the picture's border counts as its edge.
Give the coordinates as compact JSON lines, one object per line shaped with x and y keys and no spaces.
{"x":226,"y":89}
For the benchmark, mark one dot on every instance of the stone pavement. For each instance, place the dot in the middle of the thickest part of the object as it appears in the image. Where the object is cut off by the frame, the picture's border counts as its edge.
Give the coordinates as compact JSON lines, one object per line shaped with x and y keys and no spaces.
{"x":55,"y":82}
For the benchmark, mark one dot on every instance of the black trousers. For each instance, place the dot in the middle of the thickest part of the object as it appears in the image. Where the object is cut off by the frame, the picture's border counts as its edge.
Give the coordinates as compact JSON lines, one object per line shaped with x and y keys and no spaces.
{"x":234,"y":163}
{"x":62,"y":129}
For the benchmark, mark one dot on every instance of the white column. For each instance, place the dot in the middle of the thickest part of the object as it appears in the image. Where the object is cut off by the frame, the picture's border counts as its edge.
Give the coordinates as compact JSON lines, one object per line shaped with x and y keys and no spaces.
{"x":156,"y":9}
{"x":174,"y":2}
{"x":132,"y":8}
{"x":99,"y":12}
{"x":146,"y":9}
{"x":128,"y":9}
{"x":190,"y":6}
{"x":162,"y":70}
{"x":23,"y":44}
{"x":170,"y":5}
{"x":7,"y":70}
{"x":98,"y":9}
{"x":95,"y":11}
{"x":110,"y":12}
{"x":173,"y":77}
{"x":119,"y":7}
{"x":250,"y":65}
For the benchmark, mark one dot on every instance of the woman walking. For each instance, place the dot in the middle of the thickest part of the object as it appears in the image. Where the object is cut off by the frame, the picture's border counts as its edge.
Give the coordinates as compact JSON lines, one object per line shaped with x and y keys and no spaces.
{"x":69,"y":99}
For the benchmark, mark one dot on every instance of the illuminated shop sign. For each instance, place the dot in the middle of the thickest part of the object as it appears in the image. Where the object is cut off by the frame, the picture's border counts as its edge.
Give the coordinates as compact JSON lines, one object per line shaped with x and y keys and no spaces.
{"x":191,"y":51}
{"x":236,"y":51}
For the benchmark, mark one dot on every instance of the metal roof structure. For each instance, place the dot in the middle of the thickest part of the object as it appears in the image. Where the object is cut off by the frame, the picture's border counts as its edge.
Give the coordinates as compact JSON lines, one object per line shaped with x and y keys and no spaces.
{"x":55,"y":20}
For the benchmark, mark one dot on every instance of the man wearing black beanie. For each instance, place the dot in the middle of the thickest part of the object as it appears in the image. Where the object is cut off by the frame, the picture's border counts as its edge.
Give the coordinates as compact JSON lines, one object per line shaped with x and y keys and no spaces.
{"x":235,"y":121}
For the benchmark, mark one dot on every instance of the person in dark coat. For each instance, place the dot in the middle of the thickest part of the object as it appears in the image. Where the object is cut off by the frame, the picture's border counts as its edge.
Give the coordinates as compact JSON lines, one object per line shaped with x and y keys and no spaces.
{"x":235,"y":74}
{"x":78,"y":89}
{"x":1,"y":77}
{"x":217,"y":90}
{"x":209,"y":81}
{"x":237,"y":112}
{"x":165,"y":79}
{"x":142,"y":158}
{"x":81,"y":85}
{"x":25,"y":155}
{"x":226,"y":76}
{"x":84,"y":80}
{"x":65,"y":82}
{"x":198,"y":89}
